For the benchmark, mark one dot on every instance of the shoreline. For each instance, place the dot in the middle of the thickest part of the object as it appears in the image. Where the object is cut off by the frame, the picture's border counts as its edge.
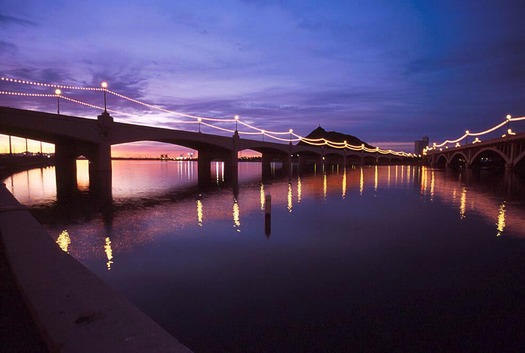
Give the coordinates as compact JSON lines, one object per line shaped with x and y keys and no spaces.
{"x":73,"y":310}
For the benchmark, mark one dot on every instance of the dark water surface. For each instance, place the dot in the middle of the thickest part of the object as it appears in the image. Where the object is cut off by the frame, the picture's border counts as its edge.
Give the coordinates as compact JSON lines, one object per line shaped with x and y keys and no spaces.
{"x":372,"y":259}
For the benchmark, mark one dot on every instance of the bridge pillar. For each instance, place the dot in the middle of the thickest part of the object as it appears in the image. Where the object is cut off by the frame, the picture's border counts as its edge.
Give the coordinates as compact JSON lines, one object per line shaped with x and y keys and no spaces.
{"x":272,"y":156}
{"x":207,"y":155}
{"x":231,"y":162}
{"x":266,"y":165}
{"x":203,"y":166}
{"x":100,"y":172}
{"x":65,"y":169}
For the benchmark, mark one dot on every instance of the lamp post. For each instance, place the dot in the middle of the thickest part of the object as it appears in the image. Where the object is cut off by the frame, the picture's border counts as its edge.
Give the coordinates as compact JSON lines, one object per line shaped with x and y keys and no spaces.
{"x":509,"y":131}
{"x":58,"y":92}
{"x":236,"y":117}
{"x":199,"y":120}
{"x":104,"y":86}
{"x":466,"y":137}
{"x":291,"y":132}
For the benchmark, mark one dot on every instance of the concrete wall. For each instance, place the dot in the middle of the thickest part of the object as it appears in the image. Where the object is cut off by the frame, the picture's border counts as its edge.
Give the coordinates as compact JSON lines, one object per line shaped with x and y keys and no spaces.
{"x":75,"y":311}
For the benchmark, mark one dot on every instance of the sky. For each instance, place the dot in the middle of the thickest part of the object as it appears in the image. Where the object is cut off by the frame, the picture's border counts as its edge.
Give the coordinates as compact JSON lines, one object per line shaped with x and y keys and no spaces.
{"x":388,"y":72}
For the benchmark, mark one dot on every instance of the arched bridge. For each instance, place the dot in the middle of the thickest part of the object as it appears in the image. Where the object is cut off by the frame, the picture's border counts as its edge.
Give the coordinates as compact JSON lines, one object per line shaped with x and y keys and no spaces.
{"x":507,"y":152}
{"x":74,"y":137}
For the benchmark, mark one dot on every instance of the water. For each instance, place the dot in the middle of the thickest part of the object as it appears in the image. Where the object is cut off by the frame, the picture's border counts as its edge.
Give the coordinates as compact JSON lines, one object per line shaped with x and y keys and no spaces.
{"x":369,"y":259}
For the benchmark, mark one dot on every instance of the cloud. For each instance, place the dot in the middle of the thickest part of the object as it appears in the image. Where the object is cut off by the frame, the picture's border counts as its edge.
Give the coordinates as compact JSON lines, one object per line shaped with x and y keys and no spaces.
{"x":8,"y":49}
{"x":6,"y":21}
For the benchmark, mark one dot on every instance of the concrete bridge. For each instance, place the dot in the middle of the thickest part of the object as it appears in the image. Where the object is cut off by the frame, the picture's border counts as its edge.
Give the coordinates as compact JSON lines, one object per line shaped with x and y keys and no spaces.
{"x":506,"y":152}
{"x":74,"y":137}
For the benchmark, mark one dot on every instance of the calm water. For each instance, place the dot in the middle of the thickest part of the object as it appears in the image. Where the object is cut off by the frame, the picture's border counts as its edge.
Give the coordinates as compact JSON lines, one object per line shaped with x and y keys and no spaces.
{"x":375,"y":259}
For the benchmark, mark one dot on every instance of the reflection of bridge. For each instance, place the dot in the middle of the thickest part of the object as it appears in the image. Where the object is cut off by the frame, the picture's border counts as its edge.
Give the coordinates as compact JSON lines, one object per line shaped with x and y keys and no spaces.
{"x":74,"y":137}
{"x":507,"y":152}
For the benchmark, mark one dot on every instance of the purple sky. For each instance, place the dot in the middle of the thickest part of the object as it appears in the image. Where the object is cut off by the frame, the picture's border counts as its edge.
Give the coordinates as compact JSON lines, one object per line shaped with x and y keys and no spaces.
{"x":388,"y":72}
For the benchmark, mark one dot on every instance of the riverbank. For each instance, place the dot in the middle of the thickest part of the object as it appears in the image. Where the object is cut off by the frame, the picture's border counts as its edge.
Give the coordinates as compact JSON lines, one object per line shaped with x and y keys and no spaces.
{"x":10,"y":164}
{"x":72,"y":309}
{"x":18,"y":332}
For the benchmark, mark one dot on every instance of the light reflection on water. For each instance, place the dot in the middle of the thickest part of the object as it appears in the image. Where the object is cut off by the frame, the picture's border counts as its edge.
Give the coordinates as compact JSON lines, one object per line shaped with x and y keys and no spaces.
{"x":352,"y":253}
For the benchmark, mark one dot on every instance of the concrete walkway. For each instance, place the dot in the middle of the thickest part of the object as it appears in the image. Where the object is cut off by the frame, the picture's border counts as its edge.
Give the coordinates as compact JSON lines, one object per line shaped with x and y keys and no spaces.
{"x":74,"y":310}
{"x":18,"y":332}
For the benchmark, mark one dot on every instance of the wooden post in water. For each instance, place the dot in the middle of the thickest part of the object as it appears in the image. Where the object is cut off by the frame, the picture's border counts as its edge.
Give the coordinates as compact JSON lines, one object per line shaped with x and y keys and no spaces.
{"x":267,"y":215}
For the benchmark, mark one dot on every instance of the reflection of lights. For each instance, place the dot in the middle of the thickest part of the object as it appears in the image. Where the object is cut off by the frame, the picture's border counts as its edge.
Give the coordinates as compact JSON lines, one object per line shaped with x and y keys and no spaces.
{"x":200,"y":213}
{"x":396,"y":175}
{"x":432,"y":185}
{"x":299,"y":189}
{"x":325,"y":186}
{"x":236,"y":215}
{"x":219,"y":170}
{"x":361,"y":182}
{"x":388,"y":177}
{"x":424,"y":181}
{"x":343,"y":192}
{"x":64,"y":240}
{"x":262,"y":197}
{"x":376,"y":178}
{"x":290,"y":198}
{"x":109,"y":252}
{"x":463,"y":203}
{"x":501,"y":219}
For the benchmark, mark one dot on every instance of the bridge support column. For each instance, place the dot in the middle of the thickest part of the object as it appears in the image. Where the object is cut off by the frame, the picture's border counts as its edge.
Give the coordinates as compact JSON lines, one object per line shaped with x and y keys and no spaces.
{"x":204,"y":166}
{"x":231,"y":161}
{"x":206,"y":156}
{"x":268,"y":158}
{"x":65,"y":169}
{"x":100,"y":172}
{"x":266,"y":165}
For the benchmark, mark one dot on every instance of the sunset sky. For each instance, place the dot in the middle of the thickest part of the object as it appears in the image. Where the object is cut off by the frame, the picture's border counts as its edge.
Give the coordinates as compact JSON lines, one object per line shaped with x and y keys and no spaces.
{"x":388,"y":72}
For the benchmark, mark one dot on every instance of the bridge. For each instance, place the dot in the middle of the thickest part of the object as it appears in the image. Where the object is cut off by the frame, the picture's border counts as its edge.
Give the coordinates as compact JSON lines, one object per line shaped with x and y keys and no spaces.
{"x":93,"y":138}
{"x":506,"y":152}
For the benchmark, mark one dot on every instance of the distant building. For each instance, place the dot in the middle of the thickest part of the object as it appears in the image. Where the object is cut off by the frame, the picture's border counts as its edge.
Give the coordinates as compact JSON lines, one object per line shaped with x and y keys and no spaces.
{"x":420,"y":145}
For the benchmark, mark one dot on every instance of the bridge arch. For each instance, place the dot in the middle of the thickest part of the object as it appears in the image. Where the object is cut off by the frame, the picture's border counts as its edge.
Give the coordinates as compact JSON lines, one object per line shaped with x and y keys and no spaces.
{"x":490,"y":157}
{"x":441,"y":161}
{"x":457,"y":160}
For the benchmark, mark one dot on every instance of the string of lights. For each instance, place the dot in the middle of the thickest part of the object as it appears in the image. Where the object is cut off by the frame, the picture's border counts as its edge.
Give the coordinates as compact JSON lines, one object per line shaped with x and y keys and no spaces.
{"x":24,"y":94}
{"x":197,"y":119}
{"x":88,"y":104}
{"x":52,"y":85}
{"x":467,"y":133}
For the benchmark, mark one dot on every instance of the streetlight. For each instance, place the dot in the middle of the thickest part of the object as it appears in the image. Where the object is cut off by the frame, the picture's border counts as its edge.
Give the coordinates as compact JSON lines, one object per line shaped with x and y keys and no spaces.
{"x":236,"y":117}
{"x":509,"y":131}
{"x":199,"y":120}
{"x":58,"y":92}
{"x":466,"y":137}
{"x":290,"y":131}
{"x":104,"y":85}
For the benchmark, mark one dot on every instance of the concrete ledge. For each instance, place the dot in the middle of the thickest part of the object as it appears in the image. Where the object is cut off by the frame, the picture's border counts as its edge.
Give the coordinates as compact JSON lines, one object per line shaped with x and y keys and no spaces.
{"x":75,"y":311}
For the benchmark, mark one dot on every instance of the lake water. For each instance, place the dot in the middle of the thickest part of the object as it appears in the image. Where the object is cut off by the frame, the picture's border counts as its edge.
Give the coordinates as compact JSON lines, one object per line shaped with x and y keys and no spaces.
{"x":372,"y":259}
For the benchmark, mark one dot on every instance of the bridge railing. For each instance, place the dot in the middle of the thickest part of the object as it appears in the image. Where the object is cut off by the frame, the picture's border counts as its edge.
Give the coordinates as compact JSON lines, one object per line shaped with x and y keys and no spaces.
{"x":229,"y":125}
{"x":502,"y":130}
